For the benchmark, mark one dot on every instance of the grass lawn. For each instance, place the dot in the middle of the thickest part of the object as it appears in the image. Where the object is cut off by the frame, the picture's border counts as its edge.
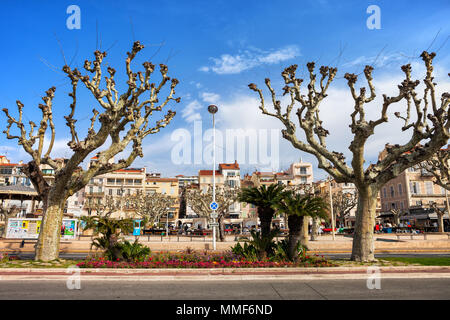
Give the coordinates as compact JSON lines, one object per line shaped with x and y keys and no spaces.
{"x":28,"y":263}
{"x":424,"y":261}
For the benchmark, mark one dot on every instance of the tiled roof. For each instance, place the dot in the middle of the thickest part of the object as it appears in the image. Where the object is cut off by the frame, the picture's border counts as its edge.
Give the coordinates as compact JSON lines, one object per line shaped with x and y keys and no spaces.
{"x":208,"y":173}
{"x":229,"y":166}
{"x":130,"y":170}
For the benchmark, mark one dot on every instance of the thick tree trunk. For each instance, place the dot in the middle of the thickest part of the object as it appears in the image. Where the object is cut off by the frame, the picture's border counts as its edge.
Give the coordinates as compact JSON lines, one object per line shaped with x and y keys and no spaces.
{"x":440,"y":216}
{"x":220,"y":236}
{"x":304,"y":234}
{"x":314,"y":229}
{"x":295,"y":224}
{"x":363,"y":243}
{"x":265,"y":216}
{"x":47,"y":246}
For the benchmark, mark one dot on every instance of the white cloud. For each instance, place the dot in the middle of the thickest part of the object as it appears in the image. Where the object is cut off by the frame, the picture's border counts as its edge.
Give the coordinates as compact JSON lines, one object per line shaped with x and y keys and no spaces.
{"x":248,"y":59}
{"x":190,"y":112}
{"x":210,"y":97}
{"x":379,"y":61}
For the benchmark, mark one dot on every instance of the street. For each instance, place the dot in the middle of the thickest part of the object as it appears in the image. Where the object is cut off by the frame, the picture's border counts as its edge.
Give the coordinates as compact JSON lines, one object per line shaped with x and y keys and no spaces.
{"x":229,"y":290}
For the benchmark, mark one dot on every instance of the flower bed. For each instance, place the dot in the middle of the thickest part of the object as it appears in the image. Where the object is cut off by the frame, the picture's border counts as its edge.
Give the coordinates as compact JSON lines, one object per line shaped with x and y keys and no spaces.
{"x":198,"y":260}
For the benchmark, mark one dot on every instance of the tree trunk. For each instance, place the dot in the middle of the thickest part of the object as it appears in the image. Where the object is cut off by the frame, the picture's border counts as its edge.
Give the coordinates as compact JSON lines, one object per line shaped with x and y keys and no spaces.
{"x":304,"y":234}
{"x":47,"y":246}
{"x":220,"y":236}
{"x":265,"y":216}
{"x":363,"y":243}
{"x":314,"y":229}
{"x":440,"y":216}
{"x":295,"y":224}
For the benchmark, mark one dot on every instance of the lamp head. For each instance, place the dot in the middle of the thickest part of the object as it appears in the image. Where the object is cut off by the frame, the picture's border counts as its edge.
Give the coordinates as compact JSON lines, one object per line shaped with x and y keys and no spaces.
{"x":212,"y":109}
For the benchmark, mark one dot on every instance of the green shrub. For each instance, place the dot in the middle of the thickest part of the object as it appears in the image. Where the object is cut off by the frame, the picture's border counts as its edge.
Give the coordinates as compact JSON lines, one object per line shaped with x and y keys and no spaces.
{"x":133,"y":251}
{"x":281,"y":250}
{"x":247,"y":251}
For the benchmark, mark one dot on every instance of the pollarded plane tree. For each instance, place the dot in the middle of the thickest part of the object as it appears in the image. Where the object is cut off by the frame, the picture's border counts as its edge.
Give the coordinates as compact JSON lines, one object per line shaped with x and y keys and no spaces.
{"x":151,"y":207}
{"x":126,"y":119}
{"x":199,"y":201}
{"x":343,"y":204}
{"x":439,"y":167}
{"x":431,"y":126}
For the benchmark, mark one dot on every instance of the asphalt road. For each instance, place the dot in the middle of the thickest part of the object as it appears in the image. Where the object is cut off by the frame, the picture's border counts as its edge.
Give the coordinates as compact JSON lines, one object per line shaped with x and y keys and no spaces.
{"x":391,"y":289}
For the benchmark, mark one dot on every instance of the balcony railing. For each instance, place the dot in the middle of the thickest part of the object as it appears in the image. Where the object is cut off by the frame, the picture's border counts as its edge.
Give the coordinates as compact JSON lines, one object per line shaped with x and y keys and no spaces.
{"x":94,"y":194}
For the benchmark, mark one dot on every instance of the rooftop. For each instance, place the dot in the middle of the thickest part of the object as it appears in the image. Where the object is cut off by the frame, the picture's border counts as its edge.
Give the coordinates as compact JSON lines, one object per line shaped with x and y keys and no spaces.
{"x":229,"y":166}
{"x":208,"y":173}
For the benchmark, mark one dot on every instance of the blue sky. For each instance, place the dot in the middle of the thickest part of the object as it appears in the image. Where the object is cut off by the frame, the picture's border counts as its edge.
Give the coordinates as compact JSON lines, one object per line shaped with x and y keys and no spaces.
{"x":215,"y":49}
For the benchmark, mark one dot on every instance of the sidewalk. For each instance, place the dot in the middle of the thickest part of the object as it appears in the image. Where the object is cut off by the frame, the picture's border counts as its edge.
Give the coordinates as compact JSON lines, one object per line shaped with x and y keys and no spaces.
{"x":231,"y":274}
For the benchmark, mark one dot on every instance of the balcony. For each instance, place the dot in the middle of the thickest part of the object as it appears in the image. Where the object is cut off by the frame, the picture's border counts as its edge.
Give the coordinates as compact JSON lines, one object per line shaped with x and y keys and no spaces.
{"x":94,"y":194}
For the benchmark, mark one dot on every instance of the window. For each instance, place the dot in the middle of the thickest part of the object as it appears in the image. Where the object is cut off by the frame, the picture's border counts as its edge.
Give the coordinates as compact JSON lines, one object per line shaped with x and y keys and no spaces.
{"x":392,"y":192}
{"x":110,"y":192}
{"x":400,"y":191}
{"x":110,"y":181}
{"x":303,"y":179}
{"x":401,"y":205}
{"x":129,"y":181}
{"x":303,"y":170}
{"x":118,"y":192}
{"x":384,"y":193}
{"x":91,"y":190}
{"x":429,"y":187}
{"x":415,"y":187}
{"x":137,"y":181}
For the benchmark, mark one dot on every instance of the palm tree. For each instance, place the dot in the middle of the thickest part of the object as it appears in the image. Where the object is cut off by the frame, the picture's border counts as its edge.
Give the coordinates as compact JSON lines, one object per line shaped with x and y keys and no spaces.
{"x":110,"y":230}
{"x":264,"y":198}
{"x":298,"y":206}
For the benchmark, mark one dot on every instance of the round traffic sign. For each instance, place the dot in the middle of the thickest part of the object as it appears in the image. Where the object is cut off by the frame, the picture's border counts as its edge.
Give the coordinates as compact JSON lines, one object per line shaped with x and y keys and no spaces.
{"x":214,"y":205}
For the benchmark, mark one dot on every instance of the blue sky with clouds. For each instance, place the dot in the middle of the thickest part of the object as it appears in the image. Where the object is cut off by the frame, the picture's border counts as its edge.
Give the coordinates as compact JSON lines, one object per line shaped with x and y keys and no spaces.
{"x":215,"y":49}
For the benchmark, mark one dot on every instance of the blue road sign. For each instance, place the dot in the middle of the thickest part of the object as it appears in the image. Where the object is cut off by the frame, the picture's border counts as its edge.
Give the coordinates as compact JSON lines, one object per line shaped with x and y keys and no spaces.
{"x":214,"y":205}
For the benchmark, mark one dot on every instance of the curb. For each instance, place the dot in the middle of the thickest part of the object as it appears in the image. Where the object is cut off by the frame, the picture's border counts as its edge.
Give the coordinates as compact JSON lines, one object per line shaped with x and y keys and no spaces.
{"x":231,"y":274}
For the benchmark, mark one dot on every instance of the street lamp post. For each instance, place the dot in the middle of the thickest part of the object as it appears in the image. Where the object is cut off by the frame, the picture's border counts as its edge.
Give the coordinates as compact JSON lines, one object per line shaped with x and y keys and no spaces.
{"x":332,"y":213}
{"x":213,"y":109}
{"x":167,"y":223}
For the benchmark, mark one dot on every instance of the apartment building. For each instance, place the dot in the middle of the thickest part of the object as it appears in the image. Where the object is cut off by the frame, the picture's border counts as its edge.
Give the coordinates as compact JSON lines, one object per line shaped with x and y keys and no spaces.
{"x":11,"y":173}
{"x":184,"y":181}
{"x":297,"y":174}
{"x":411,"y":191}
